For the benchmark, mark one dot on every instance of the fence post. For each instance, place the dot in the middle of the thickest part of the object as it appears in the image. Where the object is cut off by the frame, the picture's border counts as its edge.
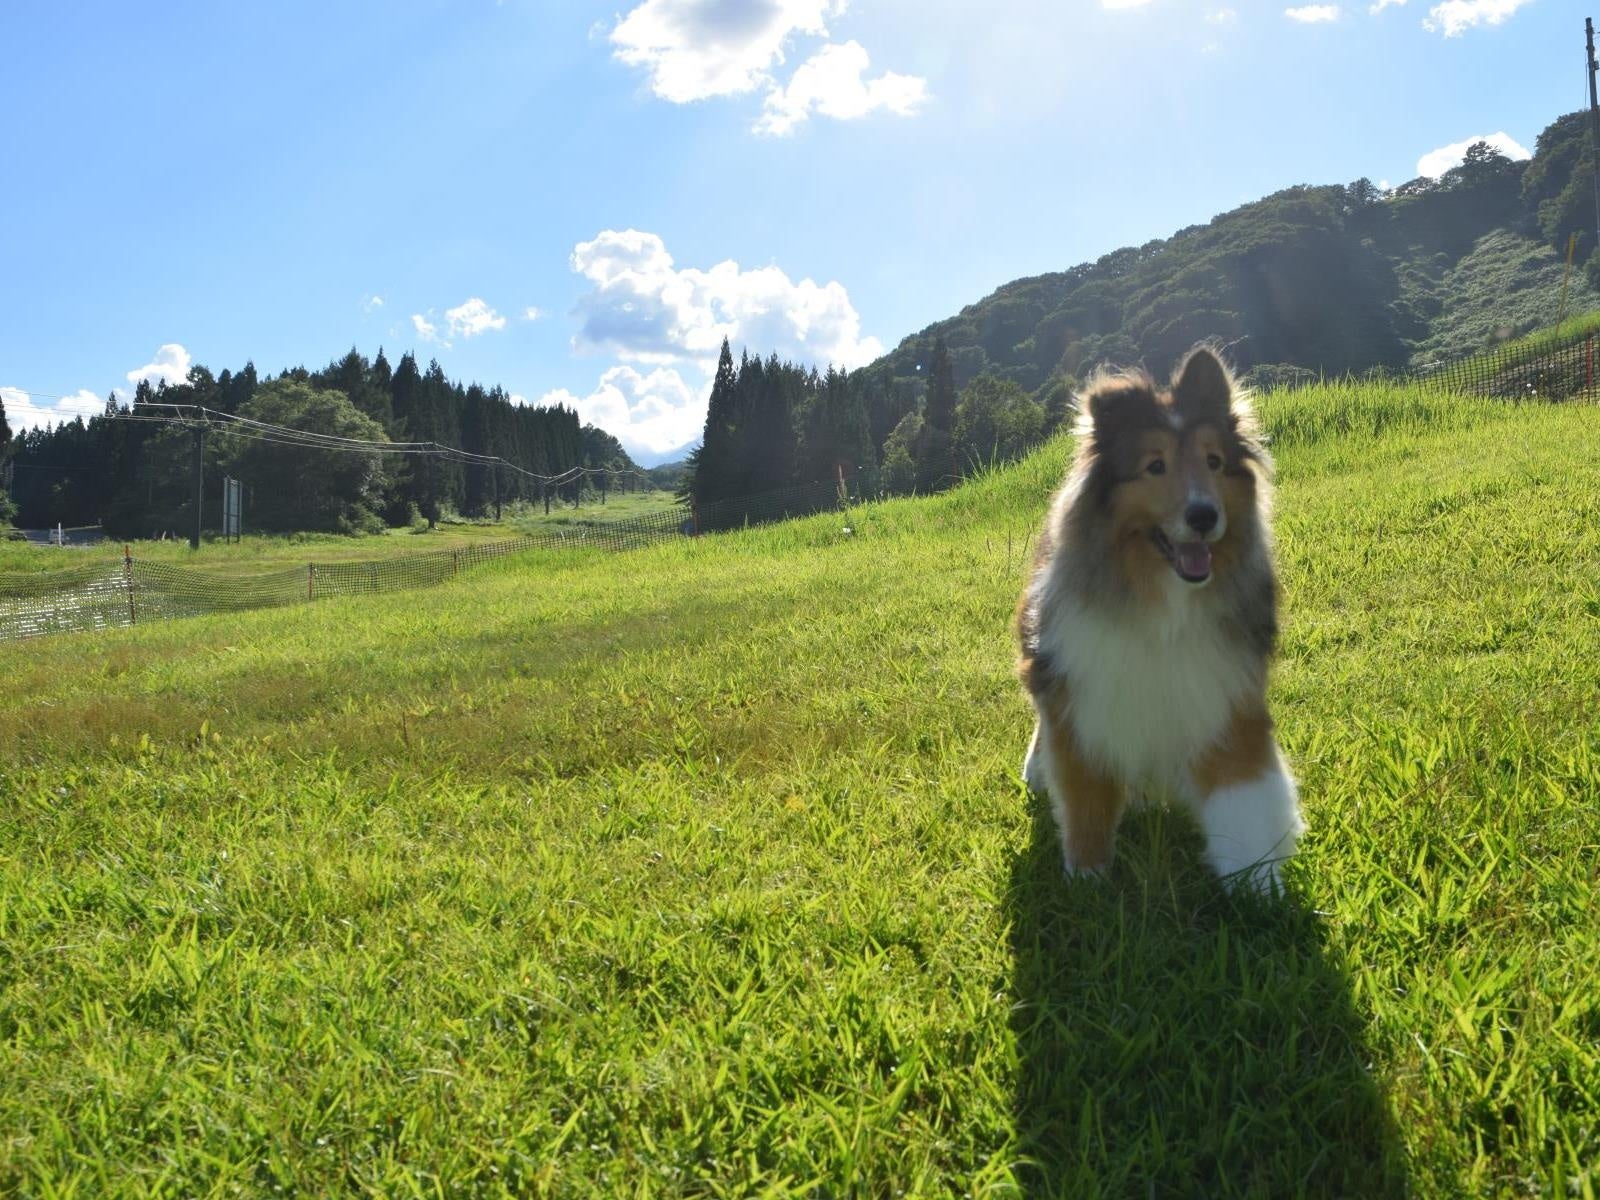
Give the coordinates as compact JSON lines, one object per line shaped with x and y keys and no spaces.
{"x":1588,"y":363}
{"x":127,"y":578}
{"x":694,"y":516}
{"x":311,"y":581}
{"x":455,"y":561}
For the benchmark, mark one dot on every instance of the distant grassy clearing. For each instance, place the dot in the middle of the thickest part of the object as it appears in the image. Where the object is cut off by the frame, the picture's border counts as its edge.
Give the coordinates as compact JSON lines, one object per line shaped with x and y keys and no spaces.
{"x":271,"y":552}
{"x":702,"y":869}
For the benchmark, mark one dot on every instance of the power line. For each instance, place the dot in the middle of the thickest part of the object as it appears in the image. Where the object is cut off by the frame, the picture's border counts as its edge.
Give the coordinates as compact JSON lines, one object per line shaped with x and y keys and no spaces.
{"x":190,"y":416}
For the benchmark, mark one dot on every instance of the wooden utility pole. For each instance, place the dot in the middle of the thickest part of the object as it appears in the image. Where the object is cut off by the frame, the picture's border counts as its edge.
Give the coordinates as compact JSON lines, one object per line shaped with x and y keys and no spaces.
{"x":199,"y":482}
{"x":1594,"y":125}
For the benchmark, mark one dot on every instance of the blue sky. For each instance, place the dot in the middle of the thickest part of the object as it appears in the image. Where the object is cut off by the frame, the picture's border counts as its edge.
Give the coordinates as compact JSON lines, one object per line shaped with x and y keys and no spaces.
{"x":578,"y":201}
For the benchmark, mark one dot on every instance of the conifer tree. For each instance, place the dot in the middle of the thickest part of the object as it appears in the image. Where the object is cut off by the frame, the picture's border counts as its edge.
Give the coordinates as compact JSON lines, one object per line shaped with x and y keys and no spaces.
{"x":936,"y":466}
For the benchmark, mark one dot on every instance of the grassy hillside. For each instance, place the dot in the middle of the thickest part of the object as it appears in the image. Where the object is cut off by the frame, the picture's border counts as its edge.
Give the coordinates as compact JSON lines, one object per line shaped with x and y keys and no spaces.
{"x":1509,"y":283}
{"x":704,"y":870}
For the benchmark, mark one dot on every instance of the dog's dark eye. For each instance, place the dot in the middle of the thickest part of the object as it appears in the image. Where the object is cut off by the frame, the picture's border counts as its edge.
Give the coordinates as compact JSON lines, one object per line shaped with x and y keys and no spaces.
{"x":1156,"y":467}
{"x":1213,"y":462}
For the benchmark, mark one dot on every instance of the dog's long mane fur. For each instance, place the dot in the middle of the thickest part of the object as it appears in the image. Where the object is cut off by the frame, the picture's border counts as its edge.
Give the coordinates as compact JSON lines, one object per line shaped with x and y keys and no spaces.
{"x":1112,"y":409}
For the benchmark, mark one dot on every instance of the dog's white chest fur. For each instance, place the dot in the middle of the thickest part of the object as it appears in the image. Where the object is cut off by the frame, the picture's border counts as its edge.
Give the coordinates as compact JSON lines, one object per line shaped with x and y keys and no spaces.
{"x":1147,"y":697}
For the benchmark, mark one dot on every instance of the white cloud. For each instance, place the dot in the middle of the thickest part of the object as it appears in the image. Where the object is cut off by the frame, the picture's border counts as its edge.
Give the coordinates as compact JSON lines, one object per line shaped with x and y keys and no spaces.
{"x":1455,"y":17}
{"x":1227,"y":16}
{"x":696,"y":49}
{"x":653,"y":413}
{"x":644,"y":309}
{"x":426,"y":329}
{"x":532,"y":313}
{"x":371,"y":304}
{"x":831,"y":83}
{"x":1313,"y":14}
{"x":1380,"y":5}
{"x":169,"y":366}
{"x":471,"y":318}
{"x":699,"y":49}
{"x":1436,"y":162}
{"x":34,"y":412}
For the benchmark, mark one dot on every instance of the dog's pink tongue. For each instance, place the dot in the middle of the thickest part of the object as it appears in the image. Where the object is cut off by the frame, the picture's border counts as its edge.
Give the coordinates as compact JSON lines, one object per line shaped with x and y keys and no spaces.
{"x":1194,"y":559}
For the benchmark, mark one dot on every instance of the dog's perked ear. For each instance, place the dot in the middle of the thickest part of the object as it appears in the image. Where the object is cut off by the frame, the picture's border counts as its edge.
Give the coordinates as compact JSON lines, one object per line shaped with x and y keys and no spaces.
{"x":1115,"y":401}
{"x":1202,"y":389}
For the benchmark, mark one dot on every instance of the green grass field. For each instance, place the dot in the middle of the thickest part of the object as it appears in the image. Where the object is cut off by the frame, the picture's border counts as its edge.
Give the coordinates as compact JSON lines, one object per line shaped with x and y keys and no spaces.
{"x":271,"y":552}
{"x":704,"y":870}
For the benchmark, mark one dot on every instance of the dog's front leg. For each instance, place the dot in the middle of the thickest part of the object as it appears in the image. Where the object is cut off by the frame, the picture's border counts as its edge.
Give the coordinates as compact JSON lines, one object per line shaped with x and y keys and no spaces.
{"x":1085,"y":800}
{"x":1251,"y":819}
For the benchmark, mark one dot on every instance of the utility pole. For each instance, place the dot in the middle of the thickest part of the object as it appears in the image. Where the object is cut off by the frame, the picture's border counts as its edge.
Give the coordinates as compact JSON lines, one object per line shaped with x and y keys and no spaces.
{"x":1594,"y":126}
{"x":199,"y":488}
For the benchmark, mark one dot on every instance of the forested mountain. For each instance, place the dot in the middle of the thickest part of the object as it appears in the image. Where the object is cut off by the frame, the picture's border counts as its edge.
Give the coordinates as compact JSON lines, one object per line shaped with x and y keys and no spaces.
{"x":134,"y":475}
{"x":1331,"y":279}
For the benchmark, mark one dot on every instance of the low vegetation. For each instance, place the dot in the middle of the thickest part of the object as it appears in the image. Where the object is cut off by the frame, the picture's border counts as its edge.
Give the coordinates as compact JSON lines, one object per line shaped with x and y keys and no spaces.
{"x":704,"y":869}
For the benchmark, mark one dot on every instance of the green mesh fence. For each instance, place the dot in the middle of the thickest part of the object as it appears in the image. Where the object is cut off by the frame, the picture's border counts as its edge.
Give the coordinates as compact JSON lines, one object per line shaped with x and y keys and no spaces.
{"x":99,"y":594}
{"x":1558,"y":369}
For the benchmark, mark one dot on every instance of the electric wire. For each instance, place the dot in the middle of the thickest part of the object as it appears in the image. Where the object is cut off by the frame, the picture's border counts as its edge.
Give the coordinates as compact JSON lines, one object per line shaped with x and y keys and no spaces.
{"x":193,"y":416}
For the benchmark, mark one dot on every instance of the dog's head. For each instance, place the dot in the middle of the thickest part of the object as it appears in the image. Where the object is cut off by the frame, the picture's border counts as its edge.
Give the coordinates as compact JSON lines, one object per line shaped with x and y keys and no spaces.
{"x":1173,"y":475}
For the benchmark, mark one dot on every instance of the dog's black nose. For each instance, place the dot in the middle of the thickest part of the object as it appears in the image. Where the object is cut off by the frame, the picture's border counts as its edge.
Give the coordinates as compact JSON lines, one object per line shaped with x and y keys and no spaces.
{"x":1201,"y":516}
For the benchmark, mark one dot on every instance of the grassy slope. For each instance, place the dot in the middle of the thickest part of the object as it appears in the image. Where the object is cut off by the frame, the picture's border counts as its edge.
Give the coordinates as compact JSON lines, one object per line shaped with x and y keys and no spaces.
{"x":703,"y":869}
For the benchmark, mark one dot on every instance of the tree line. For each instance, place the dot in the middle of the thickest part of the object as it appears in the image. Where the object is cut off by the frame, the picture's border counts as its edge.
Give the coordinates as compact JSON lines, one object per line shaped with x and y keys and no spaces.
{"x":771,"y":424}
{"x":134,"y":476}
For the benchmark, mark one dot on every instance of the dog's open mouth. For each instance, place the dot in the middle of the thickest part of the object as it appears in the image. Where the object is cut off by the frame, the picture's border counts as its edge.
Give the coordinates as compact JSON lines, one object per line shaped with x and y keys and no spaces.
{"x":1191,"y":560}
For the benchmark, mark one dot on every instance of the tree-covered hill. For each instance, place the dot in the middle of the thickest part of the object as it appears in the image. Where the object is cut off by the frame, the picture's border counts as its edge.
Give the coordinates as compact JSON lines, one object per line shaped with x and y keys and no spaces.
{"x":1332,"y":278}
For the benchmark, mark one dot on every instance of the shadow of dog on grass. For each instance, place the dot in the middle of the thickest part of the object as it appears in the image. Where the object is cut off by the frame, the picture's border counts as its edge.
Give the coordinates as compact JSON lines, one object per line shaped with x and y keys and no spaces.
{"x":1176,"y":1040}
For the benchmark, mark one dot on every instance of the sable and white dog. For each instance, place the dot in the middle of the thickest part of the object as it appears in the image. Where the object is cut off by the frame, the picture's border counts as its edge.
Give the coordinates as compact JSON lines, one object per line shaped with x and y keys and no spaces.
{"x":1149,"y":621}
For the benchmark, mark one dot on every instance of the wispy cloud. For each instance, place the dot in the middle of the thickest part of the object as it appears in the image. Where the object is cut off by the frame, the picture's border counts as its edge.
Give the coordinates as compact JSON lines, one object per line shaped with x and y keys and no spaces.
{"x":831,"y":82}
{"x":471,"y":318}
{"x":1455,"y":17}
{"x":426,"y":330}
{"x":1313,"y":14}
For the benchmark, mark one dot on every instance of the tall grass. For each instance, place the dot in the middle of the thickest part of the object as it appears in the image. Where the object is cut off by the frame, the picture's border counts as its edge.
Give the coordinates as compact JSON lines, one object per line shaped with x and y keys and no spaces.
{"x":704,"y":870}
